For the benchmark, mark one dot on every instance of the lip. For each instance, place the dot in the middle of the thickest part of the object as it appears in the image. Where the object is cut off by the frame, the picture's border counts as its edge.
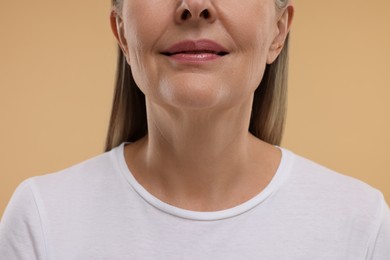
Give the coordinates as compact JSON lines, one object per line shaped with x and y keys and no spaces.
{"x":195,"y":51}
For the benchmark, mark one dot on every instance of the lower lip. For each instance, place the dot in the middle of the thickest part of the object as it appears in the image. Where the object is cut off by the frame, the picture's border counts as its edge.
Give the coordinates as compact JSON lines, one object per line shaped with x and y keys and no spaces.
{"x":194,"y":58}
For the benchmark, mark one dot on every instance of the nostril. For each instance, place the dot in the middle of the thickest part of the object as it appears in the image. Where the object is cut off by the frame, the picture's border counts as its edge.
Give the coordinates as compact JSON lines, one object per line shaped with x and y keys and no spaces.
{"x":205,"y":13}
{"x":186,"y":14}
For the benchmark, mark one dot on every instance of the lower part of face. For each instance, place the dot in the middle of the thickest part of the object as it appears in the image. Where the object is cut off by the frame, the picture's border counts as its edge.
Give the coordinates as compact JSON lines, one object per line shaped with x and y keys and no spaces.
{"x":245,"y":28}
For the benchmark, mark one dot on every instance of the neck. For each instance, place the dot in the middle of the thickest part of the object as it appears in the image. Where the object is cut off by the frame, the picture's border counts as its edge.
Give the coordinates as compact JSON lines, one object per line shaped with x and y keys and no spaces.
{"x":200,"y":155}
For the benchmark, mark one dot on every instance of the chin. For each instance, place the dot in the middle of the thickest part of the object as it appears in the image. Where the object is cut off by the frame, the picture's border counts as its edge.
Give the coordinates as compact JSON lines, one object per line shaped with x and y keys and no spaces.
{"x":193,"y":94}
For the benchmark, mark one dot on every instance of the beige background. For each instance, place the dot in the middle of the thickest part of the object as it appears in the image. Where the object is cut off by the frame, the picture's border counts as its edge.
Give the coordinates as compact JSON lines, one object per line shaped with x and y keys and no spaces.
{"x":57,"y":65}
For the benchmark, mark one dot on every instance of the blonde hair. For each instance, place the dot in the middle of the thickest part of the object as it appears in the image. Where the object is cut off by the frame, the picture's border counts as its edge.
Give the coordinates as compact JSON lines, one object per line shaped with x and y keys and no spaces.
{"x":128,"y":121}
{"x":281,"y":3}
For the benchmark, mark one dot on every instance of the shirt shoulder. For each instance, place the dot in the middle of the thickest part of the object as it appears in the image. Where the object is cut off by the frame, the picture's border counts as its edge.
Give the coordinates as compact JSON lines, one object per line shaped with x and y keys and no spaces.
{"x":317,"y":179}
{"x":41,"y":203}
{"x":84,"y":188}
{"x":326,"y":192}
{"x":80,"y":177}
{"x":339,"y":204}
{"x":22,"y":235}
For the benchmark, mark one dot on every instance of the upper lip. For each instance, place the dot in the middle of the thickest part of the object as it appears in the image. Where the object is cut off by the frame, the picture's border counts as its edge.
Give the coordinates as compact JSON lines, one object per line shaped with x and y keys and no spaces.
{"x":199,"y":46}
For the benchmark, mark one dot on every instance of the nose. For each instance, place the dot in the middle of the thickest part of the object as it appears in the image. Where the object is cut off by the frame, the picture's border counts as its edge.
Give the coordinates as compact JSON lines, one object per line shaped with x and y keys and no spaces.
{"x":195,"y":11}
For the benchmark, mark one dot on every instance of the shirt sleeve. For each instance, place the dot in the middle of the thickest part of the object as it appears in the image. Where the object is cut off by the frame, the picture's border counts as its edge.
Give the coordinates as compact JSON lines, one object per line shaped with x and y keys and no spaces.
{"x":381,"y":242}
{"x":21,"y":234}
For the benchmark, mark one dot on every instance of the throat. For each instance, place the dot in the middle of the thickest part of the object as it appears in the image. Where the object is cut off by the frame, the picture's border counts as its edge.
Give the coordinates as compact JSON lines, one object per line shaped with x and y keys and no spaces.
{"x":210,"y":186}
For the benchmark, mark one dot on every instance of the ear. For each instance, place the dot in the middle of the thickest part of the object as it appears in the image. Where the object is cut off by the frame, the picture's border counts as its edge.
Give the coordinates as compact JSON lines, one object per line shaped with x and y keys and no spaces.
{"x":282,"y":30}
{"x":118,"y":30}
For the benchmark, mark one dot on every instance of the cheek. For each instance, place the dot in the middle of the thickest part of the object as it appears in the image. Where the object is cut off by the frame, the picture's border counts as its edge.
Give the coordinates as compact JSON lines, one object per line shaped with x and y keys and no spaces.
{"x":253,"y":57}
{"x":142,"y":32}
{"x":146,"y":21}
{"x":251,"y":28}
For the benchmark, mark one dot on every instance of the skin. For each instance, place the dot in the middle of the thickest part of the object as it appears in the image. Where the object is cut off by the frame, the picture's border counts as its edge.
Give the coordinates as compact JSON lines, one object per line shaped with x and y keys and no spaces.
{"x":198,"y":154}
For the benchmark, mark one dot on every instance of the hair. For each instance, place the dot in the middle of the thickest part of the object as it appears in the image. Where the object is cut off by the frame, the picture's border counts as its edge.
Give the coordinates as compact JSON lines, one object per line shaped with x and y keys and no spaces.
{"x":282,"y":3}
{"x":128,"y":122}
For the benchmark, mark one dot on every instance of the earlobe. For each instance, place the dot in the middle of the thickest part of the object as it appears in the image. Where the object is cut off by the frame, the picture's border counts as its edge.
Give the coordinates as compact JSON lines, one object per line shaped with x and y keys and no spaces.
{"x":117,"y":28}
{"x":283,"y":28}
{"x":274,"y":51}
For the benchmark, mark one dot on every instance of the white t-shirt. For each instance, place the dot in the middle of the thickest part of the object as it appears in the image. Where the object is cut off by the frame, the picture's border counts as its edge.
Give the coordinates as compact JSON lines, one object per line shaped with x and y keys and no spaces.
{"x":97,"y":210}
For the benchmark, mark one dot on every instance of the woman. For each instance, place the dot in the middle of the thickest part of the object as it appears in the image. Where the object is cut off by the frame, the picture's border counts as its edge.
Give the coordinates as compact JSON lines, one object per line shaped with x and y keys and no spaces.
{"x":182,"y":177}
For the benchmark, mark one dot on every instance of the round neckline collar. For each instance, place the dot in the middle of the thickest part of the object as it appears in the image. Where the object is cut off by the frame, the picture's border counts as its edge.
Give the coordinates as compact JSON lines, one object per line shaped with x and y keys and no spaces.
{"x":281,"y":174}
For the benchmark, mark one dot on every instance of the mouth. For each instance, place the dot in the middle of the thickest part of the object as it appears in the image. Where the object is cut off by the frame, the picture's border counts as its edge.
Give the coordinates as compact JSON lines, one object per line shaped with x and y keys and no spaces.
{"x":200,"y":47}
{"x":221,"y":53}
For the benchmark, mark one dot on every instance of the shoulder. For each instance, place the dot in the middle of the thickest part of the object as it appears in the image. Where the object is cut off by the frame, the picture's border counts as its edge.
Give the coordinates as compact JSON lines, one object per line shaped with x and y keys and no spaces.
{"x":93,"y":167}
{"x":49,"y":200}
{"x":83,"y":178}
{"x":331,"y":192}
{"x":323,"y":179}
{"x":85,"y":187}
